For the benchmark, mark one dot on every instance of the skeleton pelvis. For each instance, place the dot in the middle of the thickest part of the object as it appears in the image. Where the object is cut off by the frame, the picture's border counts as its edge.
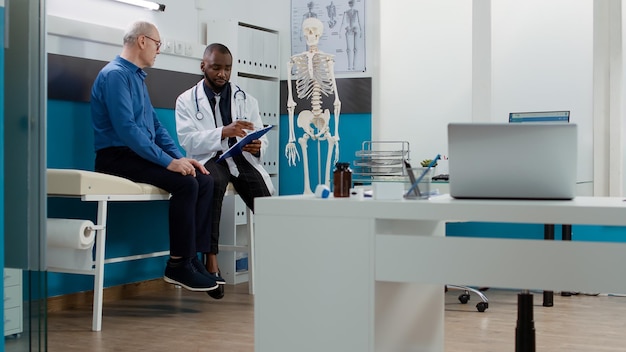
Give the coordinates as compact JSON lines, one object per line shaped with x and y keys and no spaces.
{"x":307,"y":119}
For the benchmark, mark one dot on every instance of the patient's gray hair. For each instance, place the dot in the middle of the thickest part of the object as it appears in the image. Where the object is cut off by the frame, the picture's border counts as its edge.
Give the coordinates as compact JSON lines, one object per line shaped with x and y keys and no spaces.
{"x":136,"y":29}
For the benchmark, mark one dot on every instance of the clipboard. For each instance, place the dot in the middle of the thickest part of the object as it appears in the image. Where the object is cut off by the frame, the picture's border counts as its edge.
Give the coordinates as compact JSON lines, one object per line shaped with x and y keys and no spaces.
{"x":236,"y":149}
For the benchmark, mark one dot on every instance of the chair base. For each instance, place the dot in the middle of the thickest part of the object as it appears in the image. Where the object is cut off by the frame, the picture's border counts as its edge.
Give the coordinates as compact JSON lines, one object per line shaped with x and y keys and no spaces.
{"x":465,"y":296}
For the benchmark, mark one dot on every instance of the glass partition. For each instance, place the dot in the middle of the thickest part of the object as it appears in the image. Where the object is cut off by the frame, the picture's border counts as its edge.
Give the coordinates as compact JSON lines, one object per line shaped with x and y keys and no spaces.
{"x":24,"y":175}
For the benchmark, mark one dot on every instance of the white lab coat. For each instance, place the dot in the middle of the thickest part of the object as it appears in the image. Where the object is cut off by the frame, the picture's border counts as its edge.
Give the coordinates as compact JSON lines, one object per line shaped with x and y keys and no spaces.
{"x":202,"y":138}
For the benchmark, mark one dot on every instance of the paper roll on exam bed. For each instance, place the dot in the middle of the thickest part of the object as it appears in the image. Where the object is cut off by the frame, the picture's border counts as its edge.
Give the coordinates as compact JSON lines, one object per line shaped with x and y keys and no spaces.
{"x":69,"y":244}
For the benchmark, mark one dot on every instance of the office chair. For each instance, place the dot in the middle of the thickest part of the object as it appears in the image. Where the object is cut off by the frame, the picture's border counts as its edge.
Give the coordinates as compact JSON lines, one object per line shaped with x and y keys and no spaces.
{"x":465,"y":296}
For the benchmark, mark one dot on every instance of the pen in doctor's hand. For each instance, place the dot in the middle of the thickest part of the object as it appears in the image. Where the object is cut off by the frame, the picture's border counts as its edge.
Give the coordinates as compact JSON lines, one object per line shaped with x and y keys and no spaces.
{"x":237,"y":129}
{"x":244,"y":118}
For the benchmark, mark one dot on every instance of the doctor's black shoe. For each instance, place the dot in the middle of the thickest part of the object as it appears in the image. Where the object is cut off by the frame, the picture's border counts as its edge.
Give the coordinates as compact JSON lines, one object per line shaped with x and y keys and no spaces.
{"x":219,"y":292}
{"x":218,"y":278}
{"x":200,"y":267}
{"x":184,"y":273}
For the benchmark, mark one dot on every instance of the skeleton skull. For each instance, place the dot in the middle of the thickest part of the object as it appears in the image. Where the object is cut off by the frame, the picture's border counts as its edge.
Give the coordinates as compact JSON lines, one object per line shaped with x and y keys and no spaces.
{"x":312,"y":29}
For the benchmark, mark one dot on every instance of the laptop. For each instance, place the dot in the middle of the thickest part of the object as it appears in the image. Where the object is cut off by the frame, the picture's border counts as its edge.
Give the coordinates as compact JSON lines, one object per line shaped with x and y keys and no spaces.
{"x":512,"y":161}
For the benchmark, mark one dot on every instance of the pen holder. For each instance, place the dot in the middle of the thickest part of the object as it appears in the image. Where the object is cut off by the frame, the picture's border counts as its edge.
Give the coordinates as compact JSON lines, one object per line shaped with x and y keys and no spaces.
{"x":422,"y":189}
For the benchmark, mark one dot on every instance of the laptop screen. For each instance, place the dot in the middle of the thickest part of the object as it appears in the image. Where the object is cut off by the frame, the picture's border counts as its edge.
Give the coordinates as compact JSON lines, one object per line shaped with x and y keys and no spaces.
{"x":512,"y":160}
{"x":539,"y":116}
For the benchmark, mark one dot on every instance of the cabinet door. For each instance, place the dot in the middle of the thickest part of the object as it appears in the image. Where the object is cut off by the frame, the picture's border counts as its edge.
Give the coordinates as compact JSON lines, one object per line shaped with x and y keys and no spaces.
{"x":12,"y":320}
{"x":12,"y":277}
{"x":227,"y":221}
{"x":13,"y":313}
{"x":269,"y":100}
{"x":12,"y":296}
{"x":270,"y":159}
{"x":271,"y":55}
{"x":241,"y":215}
{"x":246,"y":48}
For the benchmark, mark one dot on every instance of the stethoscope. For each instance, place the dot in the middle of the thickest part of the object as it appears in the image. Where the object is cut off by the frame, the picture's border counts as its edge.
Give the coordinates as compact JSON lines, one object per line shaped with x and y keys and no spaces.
{"x":240,"y":104}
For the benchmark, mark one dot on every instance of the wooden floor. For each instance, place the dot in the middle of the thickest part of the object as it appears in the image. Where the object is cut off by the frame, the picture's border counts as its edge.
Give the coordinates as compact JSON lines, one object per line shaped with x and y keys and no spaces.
{"x":176,"y":320}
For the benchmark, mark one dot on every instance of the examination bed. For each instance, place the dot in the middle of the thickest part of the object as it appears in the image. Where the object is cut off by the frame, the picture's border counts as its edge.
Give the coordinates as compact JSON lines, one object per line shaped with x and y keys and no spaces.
{"x":89,"y":186}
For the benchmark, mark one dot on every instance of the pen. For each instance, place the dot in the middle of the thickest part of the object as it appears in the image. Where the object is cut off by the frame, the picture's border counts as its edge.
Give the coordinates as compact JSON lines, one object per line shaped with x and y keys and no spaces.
{"x":419,"y":179}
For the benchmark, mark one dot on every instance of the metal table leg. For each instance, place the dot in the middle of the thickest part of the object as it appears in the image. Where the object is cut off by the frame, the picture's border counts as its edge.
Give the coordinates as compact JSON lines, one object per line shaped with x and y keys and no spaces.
{"x":548,"y":234}
{"x":525,"y":329}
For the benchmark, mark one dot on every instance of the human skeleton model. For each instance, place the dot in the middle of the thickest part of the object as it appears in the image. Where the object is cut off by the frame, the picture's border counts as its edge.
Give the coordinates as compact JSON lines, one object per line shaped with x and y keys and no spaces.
{"x":353,"y":26}
{"x":314,"y":75}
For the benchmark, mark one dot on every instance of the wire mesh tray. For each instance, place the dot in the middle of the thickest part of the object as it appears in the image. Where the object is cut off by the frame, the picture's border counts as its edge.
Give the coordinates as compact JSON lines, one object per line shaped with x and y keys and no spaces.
{"x":378,"y":162}
{"x":381,"y":159}
{"x":380,"y":171}
{"x":380,"y":153}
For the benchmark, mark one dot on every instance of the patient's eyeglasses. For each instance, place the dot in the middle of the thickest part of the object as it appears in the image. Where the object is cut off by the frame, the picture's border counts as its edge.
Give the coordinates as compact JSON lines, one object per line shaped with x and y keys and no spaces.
{"x":157,"y":42}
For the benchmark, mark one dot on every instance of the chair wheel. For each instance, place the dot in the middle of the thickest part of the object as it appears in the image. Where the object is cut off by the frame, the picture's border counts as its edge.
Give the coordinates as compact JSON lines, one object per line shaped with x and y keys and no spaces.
{"x":464,"y":298}
{"x":481,"y":306}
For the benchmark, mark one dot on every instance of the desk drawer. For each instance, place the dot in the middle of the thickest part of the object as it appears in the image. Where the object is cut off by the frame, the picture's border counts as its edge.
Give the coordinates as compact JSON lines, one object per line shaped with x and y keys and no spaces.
{"x":12,"y":321}
{"x":12,"y":277}
{"x":12,"y":296}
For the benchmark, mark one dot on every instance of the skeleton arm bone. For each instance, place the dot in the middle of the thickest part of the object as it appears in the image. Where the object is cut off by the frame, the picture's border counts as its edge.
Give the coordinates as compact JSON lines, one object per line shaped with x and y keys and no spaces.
{"x":291,"y":152}
{"x":336,"y":104}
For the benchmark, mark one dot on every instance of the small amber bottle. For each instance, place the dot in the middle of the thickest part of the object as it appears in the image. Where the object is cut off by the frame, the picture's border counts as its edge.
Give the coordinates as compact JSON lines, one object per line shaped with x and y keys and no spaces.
{"x":342,"y":180}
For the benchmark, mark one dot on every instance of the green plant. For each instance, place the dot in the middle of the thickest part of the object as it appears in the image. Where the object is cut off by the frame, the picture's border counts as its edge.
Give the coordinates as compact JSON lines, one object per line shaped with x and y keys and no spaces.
{"x":427,"y":162}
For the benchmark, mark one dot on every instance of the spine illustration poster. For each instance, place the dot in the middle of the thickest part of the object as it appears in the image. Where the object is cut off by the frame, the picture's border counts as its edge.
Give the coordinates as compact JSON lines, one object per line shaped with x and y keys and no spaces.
{"x":344,"y":30}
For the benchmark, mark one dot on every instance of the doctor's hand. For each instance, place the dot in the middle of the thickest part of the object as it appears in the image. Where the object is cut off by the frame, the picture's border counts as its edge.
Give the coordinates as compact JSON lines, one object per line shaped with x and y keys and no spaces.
{"x":253,"y":147}
{"x":237,"y":129}
{"x":186,"y":166}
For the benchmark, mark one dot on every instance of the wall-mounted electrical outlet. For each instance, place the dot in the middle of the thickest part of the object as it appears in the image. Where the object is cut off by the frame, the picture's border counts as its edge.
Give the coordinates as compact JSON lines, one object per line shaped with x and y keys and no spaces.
{"x":179,"y":47}
{"x":188,"y":49}
{"x":167,"y":46}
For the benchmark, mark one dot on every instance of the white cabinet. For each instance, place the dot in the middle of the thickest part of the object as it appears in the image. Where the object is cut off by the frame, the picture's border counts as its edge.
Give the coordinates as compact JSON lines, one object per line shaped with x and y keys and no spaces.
{"x":13,"y":312}
{"x":256,"y":71}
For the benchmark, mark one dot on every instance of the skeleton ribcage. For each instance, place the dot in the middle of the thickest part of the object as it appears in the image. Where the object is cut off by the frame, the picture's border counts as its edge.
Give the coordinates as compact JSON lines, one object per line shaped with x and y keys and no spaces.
{"x":312,"y":75}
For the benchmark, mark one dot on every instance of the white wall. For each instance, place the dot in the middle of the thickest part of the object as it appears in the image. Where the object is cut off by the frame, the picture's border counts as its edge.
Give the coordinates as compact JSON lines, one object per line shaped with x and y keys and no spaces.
{"x":622,"y":131}
{"x":425,"y":58}
{"x":103,"y":22}
{"x":542,"y":60}
{"x":178,"y":20}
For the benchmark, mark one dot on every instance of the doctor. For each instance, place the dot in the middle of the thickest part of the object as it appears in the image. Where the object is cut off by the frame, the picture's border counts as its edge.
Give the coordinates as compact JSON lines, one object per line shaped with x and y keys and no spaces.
{"x":210,"y":117}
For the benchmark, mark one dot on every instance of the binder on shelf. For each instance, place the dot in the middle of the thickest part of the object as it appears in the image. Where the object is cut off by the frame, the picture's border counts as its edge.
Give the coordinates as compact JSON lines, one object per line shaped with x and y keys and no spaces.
{"x":236,"y":149}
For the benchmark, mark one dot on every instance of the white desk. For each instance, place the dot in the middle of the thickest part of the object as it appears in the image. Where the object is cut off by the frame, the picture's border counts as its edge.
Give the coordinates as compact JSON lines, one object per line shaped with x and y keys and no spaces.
{"x":349,"y":275}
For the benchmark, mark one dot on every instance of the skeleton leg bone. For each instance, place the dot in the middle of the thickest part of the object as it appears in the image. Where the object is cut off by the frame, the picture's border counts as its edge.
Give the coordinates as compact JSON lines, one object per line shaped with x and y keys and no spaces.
{"x":305,"y":162}
{"x":331,"y":145}
{"x":354,"y":54}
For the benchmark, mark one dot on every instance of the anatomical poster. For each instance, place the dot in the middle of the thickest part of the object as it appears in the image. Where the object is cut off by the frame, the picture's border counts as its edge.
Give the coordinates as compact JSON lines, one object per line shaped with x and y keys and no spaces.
{"x":343,"y":33}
